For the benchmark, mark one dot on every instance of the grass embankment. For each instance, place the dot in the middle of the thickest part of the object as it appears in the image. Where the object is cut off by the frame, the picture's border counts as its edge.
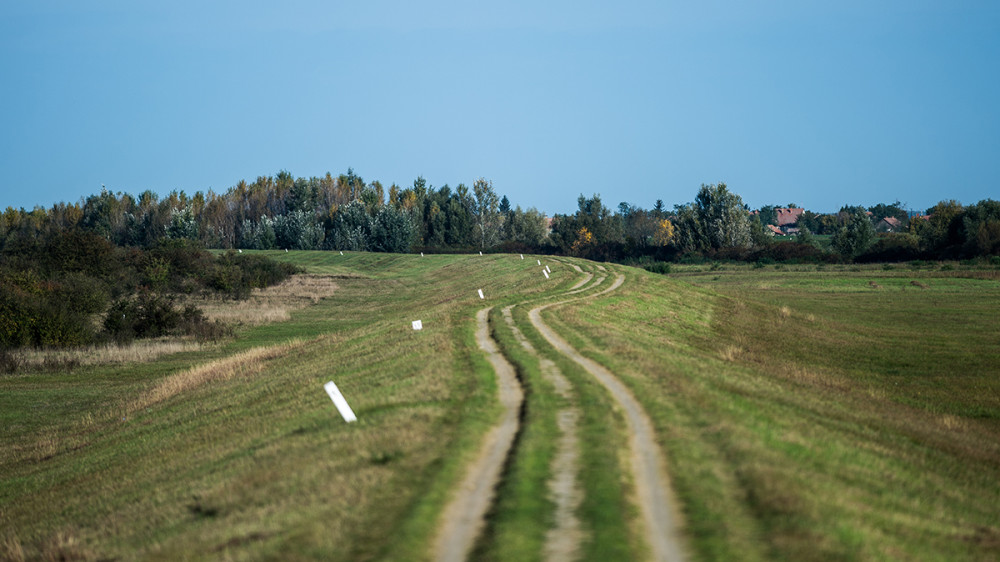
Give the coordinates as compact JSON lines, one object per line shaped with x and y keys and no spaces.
{"x":235,"y":451}
{"x":842,"y":414}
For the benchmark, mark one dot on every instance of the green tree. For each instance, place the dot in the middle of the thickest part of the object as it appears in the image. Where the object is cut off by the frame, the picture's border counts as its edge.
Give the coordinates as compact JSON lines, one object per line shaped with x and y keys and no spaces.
{"x":486,"y":213}
{"x":981,"y":223}
{"x":855,"y":236}
{"x":392,"y":230}
{"x":943,"y":230}
{"x":717,"y":219}
{"x":883,"y":210}
{"x":526,"y":227}
{"x":768,"y":215}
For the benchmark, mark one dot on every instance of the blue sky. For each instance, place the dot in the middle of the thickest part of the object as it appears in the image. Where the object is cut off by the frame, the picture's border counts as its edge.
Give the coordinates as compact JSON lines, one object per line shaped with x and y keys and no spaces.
{"x":815,"y":103}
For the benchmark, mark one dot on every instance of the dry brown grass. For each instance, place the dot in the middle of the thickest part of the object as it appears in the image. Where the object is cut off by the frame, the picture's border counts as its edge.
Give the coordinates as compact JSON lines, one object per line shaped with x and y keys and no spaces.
{"x":273,"y":304}
{"x":65,"y":546}
{"x":243,"y":364}
{"x":137,"y":352}
{"x":11,"y":550}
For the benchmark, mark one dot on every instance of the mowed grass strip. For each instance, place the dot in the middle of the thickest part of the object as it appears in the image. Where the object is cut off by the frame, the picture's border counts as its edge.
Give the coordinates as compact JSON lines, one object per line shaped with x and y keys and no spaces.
{"x":791,"y":430}
{"x":257,"y":464}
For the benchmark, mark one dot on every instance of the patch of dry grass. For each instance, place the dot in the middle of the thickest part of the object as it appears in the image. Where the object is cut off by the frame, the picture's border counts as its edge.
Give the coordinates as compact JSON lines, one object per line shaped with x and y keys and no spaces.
{"x":274,"y":304}
{"x":140,"y":351}
{"x":244,"y":364}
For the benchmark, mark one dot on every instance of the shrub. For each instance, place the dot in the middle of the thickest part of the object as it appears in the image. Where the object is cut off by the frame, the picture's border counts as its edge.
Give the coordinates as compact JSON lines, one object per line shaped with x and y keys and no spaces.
{"x":660,"y":267}
{"x":236,"y":274}
{"x":145,"y":316}
{"x":33,"y":312}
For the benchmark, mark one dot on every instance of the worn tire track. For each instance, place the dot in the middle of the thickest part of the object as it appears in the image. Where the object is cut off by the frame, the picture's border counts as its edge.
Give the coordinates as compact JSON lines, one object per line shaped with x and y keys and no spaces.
{"x":464,"y":517}
{"x":654,"y":495}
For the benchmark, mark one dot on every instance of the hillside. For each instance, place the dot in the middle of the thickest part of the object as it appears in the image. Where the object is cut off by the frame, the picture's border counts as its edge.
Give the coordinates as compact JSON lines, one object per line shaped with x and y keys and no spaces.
{"x":801,"y":414}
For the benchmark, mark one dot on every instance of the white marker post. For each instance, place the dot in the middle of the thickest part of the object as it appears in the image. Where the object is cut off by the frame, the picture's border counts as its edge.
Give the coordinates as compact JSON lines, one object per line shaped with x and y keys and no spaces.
{"x":421,"y":254}
{"x":418,"y":325}
{"x":481,"y":294}
{"x":546,"y":273}
{"x":339,"y":402}
{"x":522,"y":256}
{"x":547,"y":269}
{"x":480,"y":252}
{"x":341,"y":253}
{"x":539,"y":262}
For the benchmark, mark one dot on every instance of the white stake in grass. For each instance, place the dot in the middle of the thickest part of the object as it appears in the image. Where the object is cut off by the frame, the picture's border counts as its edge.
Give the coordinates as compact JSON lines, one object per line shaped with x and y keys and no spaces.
{"x":340,"y":402}
{"x":547,"y":269}
{"x":522,"y":256}
{"x":480,"y":252}
{"x":421,"y":254}
{"x":546,"y":273}
{"x":539,"y":262}
{"x":481,"y":294}
{"x":418,"y":325}
{"x":341,"y":253}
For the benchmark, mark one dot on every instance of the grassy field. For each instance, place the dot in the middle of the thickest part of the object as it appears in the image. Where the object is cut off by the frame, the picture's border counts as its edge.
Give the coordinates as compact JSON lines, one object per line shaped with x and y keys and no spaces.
{"x":832,"y":413}
{"x":236,"y":452}
{"x":842,"y":414}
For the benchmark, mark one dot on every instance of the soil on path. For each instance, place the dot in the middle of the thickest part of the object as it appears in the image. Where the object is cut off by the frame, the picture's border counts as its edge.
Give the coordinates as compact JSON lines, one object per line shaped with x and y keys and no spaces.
{"x":464,"y":517}
{"x":655,"y":497}
{"x":562,"y":541}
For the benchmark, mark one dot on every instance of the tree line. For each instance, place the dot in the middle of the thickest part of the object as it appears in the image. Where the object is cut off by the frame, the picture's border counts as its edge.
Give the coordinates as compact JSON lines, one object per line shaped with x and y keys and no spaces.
{"x":347,"y":213}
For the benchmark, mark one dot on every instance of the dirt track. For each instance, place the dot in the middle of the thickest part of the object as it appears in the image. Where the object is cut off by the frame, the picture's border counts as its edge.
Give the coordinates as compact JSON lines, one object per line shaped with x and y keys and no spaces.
{"x":562,"y":541}
{"x":463,"y":518}
{"x":655,"y":498}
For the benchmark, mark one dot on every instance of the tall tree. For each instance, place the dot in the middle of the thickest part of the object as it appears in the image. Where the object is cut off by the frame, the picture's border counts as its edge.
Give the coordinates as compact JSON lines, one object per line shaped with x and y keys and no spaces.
{"x":486,"y":213}
{"x":855,"y":236}
{"x":717,"y":219}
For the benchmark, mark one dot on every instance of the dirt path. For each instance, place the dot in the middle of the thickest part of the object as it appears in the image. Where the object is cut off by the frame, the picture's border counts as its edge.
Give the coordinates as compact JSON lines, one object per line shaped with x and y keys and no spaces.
{"x":463,"y":517}
{"x":655,"y":498}
{"x":562,"y":542}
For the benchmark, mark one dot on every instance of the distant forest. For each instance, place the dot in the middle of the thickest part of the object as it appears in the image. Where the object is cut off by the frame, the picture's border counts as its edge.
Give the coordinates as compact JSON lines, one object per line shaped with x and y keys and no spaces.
{"x":347,"y":213}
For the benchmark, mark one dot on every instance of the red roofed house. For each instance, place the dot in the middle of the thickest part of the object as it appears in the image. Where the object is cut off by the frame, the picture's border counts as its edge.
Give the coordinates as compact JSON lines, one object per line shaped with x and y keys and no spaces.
{"x":788,"y":216}
{"x":888,"y":224}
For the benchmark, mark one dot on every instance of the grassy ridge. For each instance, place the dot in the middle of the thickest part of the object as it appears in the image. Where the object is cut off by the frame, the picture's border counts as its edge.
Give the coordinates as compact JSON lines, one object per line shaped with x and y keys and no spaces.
{"x":255,"y":462}
{"x":816,"y":415}
{"x":836,"y":414}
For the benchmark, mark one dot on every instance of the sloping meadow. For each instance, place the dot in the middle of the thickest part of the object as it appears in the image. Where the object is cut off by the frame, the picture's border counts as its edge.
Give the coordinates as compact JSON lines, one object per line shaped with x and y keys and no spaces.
{"x":816,"y":415}
{"x":236,"y":451}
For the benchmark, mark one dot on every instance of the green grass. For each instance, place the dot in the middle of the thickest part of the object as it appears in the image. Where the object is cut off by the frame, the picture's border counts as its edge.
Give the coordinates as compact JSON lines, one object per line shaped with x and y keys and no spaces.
{"x":811,"y":415}
{"x":260,"y":465}
{"x":805,"y":412}
{"x":523,"y":512}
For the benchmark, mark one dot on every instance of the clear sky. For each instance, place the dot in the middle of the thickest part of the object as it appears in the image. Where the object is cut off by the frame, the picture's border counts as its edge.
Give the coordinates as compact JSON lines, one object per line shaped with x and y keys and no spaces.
{"x":816,"y":103}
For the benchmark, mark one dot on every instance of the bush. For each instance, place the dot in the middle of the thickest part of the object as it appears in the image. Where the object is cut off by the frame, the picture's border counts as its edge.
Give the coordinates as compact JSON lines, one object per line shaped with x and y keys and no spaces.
{"x":660,"y":267}
{"x":893,"y":247}
{"x":148,"y":315}
{"x":237,"y":274}
{"x":33,"y":312}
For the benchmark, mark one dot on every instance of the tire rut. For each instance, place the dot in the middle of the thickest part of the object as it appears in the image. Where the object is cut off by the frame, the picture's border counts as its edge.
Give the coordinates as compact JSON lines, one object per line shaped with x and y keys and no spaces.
{"x":654,"y":495}
{"x":562,"y":542}
{"x":463,"y":518}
